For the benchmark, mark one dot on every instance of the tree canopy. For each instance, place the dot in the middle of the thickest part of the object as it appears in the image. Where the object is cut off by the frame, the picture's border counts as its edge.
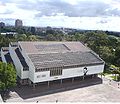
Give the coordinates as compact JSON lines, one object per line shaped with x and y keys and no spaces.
{"x":7,"y":76}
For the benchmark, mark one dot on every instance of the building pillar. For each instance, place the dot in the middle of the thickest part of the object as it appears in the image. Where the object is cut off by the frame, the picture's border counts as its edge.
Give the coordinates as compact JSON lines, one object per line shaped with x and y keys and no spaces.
{"x":83,"y":77}
{"x":21,"y":81}
{"x":34,"y":85}
{"x":93,"y":76}
{"x":48,"y":83}
{"x":61,"y":81}
{"x":72,"y":79}
{"x":29,"y":82}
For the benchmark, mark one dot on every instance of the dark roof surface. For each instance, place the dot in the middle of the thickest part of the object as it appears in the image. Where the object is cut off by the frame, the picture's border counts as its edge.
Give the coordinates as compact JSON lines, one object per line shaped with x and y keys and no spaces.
{"x":52,"y":47}
{"x":48,"y":55}
{"x":8,"y":58}
{"x":22,"y":60}
{"x":52,"y":60}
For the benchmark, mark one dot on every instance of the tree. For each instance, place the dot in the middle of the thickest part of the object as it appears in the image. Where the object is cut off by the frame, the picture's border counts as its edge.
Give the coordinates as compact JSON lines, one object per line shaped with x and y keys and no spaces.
{"x":117,"y":56}
{"x":21,"y":37}
{"x":50,"y":37}
{"x":106,"y":54}
{"x":7,"y":76}
{"x":77,"y":36}
{"x":32,"y":38}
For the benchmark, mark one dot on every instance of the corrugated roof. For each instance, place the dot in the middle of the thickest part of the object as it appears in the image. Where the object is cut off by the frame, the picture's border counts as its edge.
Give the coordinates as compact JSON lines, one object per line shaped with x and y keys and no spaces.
{"x":22,"y":59}
{"x":8,"y":58}
{"x":47,"y":55}
{"x":52,"y":47}
{"x":52,"y":60}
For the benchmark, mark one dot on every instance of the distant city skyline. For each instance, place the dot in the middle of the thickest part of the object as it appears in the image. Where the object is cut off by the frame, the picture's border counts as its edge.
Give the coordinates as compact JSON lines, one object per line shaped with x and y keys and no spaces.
{"x":80,"y":14}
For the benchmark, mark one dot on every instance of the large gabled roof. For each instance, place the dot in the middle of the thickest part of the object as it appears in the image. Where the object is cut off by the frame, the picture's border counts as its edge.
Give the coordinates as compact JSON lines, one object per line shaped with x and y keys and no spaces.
{"x":52,"y":47}
{"x":49,"y":55}
{"x":68,"y":59}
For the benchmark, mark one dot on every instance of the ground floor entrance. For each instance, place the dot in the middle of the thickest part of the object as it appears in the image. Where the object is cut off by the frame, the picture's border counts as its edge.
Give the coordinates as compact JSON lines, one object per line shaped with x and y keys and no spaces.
{"x":27,"y":82}
{"x":63,"y":81}
{"x":40,"y":89}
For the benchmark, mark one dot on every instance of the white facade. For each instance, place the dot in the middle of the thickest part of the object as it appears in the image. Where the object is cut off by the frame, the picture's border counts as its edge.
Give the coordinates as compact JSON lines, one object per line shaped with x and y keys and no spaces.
{"x":41,"y":76}
{"x":67,"y":73}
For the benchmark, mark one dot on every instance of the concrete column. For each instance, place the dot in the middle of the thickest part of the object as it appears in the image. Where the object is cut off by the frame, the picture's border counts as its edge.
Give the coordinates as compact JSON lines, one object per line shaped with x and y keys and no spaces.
{"x":29,"y":81}
{"x":34,"y":85}
{"x":61,"y":81}
{"x":72,"y":79}
{"x":48,"y":83}
{"x":83,"y":77}
{"x":21,"y":81}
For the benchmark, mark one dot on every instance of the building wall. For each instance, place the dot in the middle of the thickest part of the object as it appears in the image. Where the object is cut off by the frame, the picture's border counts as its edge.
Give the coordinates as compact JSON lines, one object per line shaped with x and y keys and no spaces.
{"x":2,"y":56}
{"x":67,"y":73}
{"x":16,"y":61}
{"x":1,"y":100}
{"x":25,"y":74}
{"x":18,"y":23}
{"x":30,"y":73}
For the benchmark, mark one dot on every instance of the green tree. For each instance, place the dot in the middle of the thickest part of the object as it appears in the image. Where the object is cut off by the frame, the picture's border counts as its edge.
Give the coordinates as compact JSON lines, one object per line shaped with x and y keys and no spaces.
{"x":50,"y":37}
{"x":32,"y":38}
{"x":106,"y":54}
{"x":77,"y":36}
{"x":117,"y":56}
{"x":7,"y":76}
{"x":21,"y":37}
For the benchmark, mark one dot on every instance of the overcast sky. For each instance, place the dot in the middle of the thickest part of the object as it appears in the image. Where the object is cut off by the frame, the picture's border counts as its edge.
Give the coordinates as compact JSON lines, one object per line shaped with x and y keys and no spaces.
{"x":82,"y":14}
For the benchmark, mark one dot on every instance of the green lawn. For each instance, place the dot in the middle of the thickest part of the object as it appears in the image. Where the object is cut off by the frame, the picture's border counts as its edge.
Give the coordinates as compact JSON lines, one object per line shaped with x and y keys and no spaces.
{"x":113,"y":77}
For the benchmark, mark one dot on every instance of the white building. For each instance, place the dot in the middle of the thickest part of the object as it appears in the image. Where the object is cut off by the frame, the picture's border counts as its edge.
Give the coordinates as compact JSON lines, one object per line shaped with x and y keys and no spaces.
{"x":47,"y":61}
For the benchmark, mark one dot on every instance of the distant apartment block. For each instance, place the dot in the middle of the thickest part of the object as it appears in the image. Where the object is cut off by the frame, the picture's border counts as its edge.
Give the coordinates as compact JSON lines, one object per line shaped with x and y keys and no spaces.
{"x":37,"y":62}
{"x":18,"y":23}
{"x":2,"y":24}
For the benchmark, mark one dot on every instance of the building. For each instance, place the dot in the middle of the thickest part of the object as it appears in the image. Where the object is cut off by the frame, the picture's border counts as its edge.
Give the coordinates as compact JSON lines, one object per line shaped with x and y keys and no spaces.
{"x":32,"y":30}
{"x":9,"y":34}
{"x":37,"y":62}
{"x":1,"y":100}
{"x":18,"y":23}
{"x":2,"y":24}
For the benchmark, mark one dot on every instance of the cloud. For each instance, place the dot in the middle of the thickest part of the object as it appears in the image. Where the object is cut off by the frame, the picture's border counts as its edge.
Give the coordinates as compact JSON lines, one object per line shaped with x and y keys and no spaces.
{"x":70,"y":8}
{"x":80,"y":8}
{"x":84,"y":14}
{"x":7,"y":12}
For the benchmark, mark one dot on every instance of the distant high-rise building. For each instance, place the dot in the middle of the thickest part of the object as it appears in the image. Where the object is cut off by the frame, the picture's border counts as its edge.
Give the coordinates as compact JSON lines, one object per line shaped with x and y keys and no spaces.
{"x":18,"y":23}
{"x":33,"y":30}
{"x":2,"y":24}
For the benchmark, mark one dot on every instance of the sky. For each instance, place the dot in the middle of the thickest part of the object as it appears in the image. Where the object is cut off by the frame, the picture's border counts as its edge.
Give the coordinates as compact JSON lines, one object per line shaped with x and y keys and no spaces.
{"x":80,"y":14}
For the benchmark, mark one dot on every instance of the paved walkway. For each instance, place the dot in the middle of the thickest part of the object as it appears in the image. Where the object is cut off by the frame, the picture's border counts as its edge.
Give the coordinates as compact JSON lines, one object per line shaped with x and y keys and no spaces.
{"x":89,"y":91}
{"x":107,"y":79}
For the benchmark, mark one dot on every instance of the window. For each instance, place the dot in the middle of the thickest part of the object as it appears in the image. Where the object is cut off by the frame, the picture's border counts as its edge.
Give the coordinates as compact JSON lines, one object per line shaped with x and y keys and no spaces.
{"x":55,"y":72}
{"x":38,"y":76}
{"x":43,"y":75}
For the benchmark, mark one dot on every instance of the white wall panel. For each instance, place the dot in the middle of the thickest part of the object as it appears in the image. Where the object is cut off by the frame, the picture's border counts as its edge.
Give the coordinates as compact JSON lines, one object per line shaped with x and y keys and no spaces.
{"x":67,"y":73}
{"x":16,"y":61}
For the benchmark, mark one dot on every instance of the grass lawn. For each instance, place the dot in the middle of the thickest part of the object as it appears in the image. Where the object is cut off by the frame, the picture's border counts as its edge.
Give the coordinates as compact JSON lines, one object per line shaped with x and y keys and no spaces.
{"x":113,"y":77}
